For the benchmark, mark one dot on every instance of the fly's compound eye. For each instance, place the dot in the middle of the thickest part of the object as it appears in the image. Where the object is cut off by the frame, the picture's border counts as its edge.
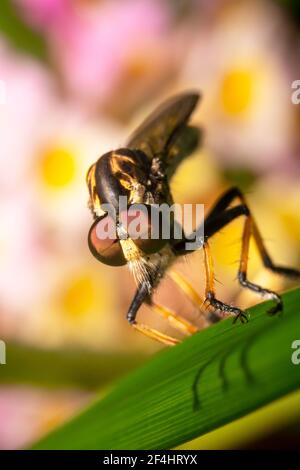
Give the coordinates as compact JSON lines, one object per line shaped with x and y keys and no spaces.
{"x":147,"y":227}
{"x":104,"y":243}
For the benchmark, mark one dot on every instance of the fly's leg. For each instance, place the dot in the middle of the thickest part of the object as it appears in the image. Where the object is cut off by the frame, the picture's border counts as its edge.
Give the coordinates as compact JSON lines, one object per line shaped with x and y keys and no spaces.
{"x":174,"y":319}
{"x":266,"y":259}
{"x":220,"y":216}
{"x":215,"y":221}
{"x":155,"y":334}
{"x":142,"y":295}
{"x":212,"y":226}
{"x":222,"y":204}
{"x":242,"y":273}
{"x":193,"y":296}
{"x":211,"y":299}
{"x":187,"y":288}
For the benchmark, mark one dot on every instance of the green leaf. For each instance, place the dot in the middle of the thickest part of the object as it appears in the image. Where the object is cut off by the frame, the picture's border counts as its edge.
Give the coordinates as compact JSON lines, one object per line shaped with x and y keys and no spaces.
{"x":18,"y":33}
{"x":212,"y":378}
{"x":279,"y":416}
{"x":64,"y":368}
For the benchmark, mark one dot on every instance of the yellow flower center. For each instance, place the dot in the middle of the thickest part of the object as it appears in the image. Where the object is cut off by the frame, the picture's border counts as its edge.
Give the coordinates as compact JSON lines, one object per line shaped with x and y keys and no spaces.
{"x":237,"y":91}
{"x":58,"y":167}
{"x":137,"y":67}
{"x":79,"y":297}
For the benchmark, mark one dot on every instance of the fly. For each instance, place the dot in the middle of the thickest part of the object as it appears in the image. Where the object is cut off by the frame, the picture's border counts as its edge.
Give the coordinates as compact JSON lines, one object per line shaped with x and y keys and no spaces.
{"x":141,"y":172}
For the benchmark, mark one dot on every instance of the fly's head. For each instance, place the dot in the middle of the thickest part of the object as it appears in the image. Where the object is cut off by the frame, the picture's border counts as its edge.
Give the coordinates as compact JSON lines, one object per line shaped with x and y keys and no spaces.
{"x":123,"y":186}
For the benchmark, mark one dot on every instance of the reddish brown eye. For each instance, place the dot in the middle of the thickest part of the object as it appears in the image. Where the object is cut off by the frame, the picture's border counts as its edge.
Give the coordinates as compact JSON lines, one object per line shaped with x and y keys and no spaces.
{"x":144,"y":227}
{"x":103,"y":242}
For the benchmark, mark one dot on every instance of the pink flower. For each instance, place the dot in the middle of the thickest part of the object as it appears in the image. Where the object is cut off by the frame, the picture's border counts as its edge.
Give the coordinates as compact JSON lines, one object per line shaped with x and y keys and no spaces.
{"x":44,"y":14}
{"x":28,"y":90}
{"x":97,"y":46}
{"x":26,"y":414}
{"x":246,"y":84}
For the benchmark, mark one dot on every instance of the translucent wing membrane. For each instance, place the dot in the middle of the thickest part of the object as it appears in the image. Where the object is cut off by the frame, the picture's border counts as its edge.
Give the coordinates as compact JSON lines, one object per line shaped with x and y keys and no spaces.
{"x":182,"y":144}
{"x":158,"y":131}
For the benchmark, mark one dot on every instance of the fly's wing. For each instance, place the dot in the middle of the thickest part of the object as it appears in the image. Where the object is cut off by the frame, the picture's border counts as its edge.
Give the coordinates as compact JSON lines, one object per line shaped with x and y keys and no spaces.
{"x":159,"y":130}
{"x":184,"y":142}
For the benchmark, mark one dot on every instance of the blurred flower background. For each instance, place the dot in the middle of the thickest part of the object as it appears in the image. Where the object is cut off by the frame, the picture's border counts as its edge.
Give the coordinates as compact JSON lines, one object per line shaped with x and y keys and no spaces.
{"x":77,"y":77}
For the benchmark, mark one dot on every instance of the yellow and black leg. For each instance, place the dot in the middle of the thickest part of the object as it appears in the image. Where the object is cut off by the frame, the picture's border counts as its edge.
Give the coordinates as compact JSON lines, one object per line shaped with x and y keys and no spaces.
{"x":221,"y":207}
{"x":250,"y":229}
{"x":142,"y":295}
{"x":175,"y":320}
{"x":242,"y":273}
{"x":210,"y":296}
{"x":186,"y":287}
{"x":221,"y":215}
{"x":212,"y":226}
